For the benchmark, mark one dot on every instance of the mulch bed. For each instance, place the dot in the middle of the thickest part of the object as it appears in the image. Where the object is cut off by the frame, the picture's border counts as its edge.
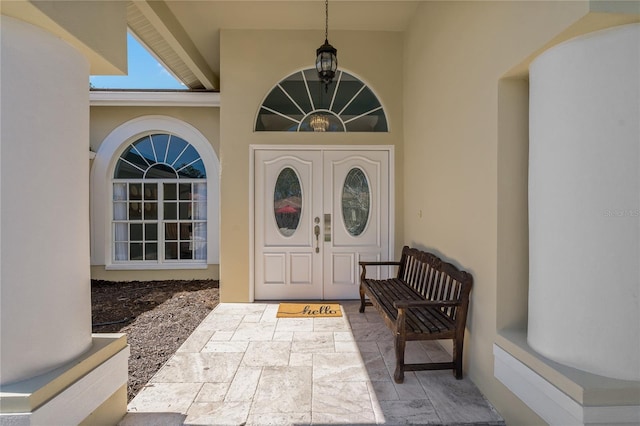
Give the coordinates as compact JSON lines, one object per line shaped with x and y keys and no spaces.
{"x":157,"y":316}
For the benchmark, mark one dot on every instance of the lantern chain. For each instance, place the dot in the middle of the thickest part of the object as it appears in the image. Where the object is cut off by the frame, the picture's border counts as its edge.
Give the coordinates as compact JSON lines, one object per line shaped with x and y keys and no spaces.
{"x":326,"y":19}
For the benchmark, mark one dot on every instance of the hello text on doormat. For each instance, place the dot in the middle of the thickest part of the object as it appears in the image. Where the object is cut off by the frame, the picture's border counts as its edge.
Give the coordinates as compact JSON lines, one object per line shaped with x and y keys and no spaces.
{"x":308,"y":310}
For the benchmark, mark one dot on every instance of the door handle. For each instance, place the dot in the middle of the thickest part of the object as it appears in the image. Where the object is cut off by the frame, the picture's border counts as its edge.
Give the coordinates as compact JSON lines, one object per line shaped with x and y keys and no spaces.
{"x":316,"y":231}
{"x":327,"y":227}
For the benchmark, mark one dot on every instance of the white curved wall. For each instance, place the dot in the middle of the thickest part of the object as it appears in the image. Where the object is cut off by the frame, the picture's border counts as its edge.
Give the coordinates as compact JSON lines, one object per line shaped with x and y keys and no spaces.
{"x":45,"y":308}
{"x":584,"y":203}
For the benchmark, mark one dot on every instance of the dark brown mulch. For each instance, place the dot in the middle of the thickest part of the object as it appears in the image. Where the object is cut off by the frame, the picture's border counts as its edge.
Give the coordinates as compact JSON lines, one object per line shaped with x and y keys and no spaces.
{"x":157,"y":316}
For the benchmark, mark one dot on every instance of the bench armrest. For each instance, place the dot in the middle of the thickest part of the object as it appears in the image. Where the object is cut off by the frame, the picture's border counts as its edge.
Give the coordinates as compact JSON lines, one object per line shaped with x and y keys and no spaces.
{"x":363,"y":265}
{"x":405,"y":304}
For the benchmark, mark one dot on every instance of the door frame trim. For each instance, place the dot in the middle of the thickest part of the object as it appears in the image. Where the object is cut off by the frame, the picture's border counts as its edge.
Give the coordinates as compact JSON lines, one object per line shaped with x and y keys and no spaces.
{"x":252,"y":153}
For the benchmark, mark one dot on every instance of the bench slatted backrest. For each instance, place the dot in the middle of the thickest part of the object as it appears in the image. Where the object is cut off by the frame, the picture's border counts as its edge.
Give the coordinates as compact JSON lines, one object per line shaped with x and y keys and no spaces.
{"x":434,"y":279}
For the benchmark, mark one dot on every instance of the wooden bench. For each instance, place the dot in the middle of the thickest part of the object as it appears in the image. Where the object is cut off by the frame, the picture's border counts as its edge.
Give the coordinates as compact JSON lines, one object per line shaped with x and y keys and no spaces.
{"x":428,"y":300}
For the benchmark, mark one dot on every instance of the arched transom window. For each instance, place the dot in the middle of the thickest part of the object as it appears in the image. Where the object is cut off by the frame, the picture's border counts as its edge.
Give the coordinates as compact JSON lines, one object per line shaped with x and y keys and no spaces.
{"x":160,"y":202}
{"x":301,"y":103}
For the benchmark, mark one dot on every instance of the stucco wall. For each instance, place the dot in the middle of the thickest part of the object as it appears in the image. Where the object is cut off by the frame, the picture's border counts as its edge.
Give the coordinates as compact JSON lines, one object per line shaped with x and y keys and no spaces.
{"x":46,"y":307}
{"x":104,"y":120}
{"x":458,"y":157}
{"x":252,"y":62}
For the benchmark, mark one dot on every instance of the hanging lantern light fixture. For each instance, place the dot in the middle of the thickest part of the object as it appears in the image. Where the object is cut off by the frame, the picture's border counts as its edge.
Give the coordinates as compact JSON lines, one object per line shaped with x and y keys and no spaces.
{"x":326,"y":55}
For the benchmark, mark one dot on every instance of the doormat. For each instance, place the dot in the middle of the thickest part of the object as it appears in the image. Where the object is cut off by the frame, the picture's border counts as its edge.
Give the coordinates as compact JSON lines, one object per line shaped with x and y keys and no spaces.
{"x":309,"y":310}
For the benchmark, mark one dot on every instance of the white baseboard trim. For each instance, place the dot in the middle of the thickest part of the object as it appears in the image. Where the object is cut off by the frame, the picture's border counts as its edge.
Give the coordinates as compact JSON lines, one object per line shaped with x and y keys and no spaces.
{"x":550,"y":403}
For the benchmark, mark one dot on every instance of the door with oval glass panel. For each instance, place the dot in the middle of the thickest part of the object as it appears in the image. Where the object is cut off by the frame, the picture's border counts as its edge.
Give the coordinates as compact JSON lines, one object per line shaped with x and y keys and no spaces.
{"x":317,"y":213}
{"x":356,"y":204}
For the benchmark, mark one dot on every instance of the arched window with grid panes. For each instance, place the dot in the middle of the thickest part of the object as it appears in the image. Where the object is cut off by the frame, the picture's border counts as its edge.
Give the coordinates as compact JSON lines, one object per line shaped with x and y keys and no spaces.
{"x":302,"y":103}
{"x":159,"y":202}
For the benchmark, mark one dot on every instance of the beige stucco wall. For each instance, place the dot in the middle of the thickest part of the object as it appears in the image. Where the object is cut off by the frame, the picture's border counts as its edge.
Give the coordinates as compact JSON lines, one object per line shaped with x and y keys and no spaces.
{"x":252,"y":62}
{"x":104,"y":119}
{"x":97,"y":29}
{"x":469,"y":124}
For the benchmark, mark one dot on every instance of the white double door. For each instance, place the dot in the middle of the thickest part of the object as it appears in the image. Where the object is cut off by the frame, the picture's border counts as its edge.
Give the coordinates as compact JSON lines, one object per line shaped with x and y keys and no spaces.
{"x":317,"y":213}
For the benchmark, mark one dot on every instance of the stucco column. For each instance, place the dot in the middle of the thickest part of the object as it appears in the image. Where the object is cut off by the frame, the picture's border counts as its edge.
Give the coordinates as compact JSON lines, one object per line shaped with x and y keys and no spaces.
{"x":45,"y":307}
{"x":584,"y":203}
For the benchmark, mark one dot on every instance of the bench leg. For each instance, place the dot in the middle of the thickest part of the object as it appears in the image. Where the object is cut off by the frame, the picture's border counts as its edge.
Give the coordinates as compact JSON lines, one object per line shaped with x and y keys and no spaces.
{"x":457,"y":356}
{"x":400,"y":343}
{"x":361,"y":300}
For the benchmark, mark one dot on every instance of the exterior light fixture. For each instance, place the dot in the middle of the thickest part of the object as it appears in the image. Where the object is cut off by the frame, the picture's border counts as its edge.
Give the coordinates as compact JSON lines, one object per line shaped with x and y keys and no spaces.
{"x":319,"y":123}
{"x":326,"y":55}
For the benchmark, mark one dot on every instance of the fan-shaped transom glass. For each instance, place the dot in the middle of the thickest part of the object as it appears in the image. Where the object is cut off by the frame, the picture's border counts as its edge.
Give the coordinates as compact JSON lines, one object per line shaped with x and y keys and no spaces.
{"x":347,"y":106}
{"x":160,"y":156}
{"x":287,"y":201}
{"x":356,"y":202}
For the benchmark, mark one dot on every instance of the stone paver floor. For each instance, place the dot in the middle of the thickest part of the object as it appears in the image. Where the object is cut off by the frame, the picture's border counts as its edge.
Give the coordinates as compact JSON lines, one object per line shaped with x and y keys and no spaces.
{"x":243,"y":365}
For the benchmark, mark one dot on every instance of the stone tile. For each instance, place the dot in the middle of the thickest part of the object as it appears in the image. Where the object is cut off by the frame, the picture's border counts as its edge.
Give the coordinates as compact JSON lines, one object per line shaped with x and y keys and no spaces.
{"x":278,"y":419}
{"x":330,"y":324}
{"x":220,"y":322}
{"x":239,"y":308}
{"x":414,"y":353}
{"x":222,"y":336}
{"x":419,"y":411}
{"x":212,"y":392}
{"x":341,"y":398}
{"x":252,"y":317}
{"x":312,"y":342}
{"x":456,"y":401}
{"x":218,"y":413}
{"x":267,"y":354}
{"x":301,"y":360}
{"x":346,"y":347}
{"x":294,"y":324}
{"x":368,"y":347}
{"x":370,"y":332}
{"x":375,"y":367}
{"x":244,"y":384}
{"x":283,"y":336}
{"x":360,"y":419}
{"x":435,"y":351}
{"x":199,"y":368}
{"x":225,"y":346}
{"x":283,"y":390}
{"x":165,"y":397}
{"x":270,"y":312}
{"x":343,"y":336}
{"x":350,"y":306}
{"x":196,"y":341}
{"x":382,"y":391}
{"x":156,"y":419}
{"x":338,"y":367}
{"x":410,"y":389}
{"x":254,"y":332}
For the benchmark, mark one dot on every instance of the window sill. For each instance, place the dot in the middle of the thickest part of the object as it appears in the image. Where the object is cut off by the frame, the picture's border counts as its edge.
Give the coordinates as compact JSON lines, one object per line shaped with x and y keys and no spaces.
{"x":153,"y":266}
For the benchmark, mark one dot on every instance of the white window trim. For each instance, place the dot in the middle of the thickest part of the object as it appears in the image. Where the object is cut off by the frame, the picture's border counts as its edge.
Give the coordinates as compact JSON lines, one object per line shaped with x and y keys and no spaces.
{"x":101,"y":210}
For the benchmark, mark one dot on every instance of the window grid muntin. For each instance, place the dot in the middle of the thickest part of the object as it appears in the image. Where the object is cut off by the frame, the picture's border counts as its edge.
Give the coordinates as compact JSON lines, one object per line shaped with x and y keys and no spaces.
{"x":175,"y":148}
{"x":355,"y":116}
{"x":199,"y":247}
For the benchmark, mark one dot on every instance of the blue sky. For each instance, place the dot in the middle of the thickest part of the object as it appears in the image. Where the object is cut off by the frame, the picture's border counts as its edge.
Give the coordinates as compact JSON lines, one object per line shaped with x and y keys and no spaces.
{"x":144,"y":72}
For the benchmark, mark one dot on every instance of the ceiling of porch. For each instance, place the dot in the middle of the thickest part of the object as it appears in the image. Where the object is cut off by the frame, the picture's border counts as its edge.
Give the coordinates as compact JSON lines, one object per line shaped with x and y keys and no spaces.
{"x":185,"y":35}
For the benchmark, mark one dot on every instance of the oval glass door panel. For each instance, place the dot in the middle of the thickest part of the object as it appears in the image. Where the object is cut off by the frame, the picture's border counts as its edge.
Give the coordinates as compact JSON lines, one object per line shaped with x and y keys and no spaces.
{"x":287,"y":201}
{"x":355,"y":202}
